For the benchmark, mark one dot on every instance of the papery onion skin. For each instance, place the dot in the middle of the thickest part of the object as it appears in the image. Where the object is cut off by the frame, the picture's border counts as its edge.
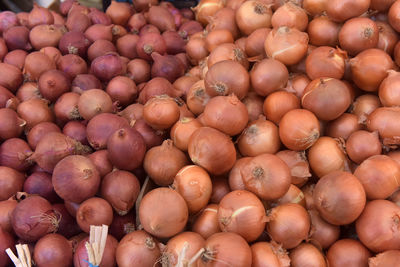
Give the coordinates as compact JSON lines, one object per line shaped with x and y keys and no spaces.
{"x":347,"y":252}
{"x":393,"y":15}
{"x":11,"y":77}
{"x":212,"y":150}
{"x":163,"y":212}
{"x":7,"y":207}
{"x":182,"y":130}
{"x":299,"y":129}
{"x":35,"y":111}
{"x":206,"y":9}
{"x":15,"y":153}
{"x":363,"y":144}
{"x":288,"y":224}
{"x":388,"y":94}
{"x":343,"y":126}
{"x":325,"y":61}
{"x":322,"y":233}
{"x":252,"y":15}
{"x":380,"y":176}
{"x":8,"y":241}
{"x":10,"y":124}
{"x":93,"y":102}
{"x":377,"y":227}
{"x":387,"y":258}
{"x":161,"y":112}
{"x":206,"y":223}
{"x":382,"y":120}
{"x":243,"y":213}
{"x":339,"y":197}
{"x":53,"y":83}
{"x":39,"y":183}
{"x":298,"y":165}
{"x":365,"y":105}
{"x":269,"y":253}
{"x":290,"y":15}
{"x":307,"y":255}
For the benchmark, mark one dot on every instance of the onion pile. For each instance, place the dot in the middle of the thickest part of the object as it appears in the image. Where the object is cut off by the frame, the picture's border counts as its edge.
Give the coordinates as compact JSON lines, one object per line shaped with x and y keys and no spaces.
{"x":235,"y":133}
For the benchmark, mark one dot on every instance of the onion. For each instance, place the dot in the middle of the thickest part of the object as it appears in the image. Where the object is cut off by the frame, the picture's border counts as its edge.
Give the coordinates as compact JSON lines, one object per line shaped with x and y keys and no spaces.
{"x":377,"y":227}
{"x":327,"y":155}
{"x":388,"y":37}
{"x":299,"y":129}
{"x":206,"y":9}
{"x":252,"y":15}
{"x":16,"y":58}
{"x":72,"y":65}
{"x":363,"y":144}
{"x":11,"y":77}
{"x":66,"y":107}
{"x":100,"y":160}
{"x":93,"y":102}
{"x":27,"y":91}
{"x":163,"y":212}
{"x":161,"y":112}
{"x":83,"y":82}
{"x":168,"y":66}
{"x":307,"y":255}
{"x":46,"y":35}
{"x":81,"y":257}
{"x":218,"y":37}
{"x":138,"y":248}
{"x":293,"y":195}
{"x":122,"y":89}
{"x":344,"y":10}
{"x":392,"y":15}
{"x":189,"y":28}
{"x":269,"y":253}
{"x":126,"y":148}
{"x":268,"y":76}
{"x":254,"y":105}
{"x":99,"y":32}
{"x":227,"y":51}
{"x":67,"y":225}
{"x":288,"y":224}
{"x":254,"y":43}
{"x":194,"y":184}
{"x":290,"y":15}
{"x":343,"y":126}
{"x":53,"y":83}
{"x":33,"y":218}
{"x":183,"y":84}
{"x":365,"y":105}
{"x":327,"y":98}
{"x":369,"y":68}
{"x":74,"y":43}
{"x":10,"y":124}
{"x":227,"y":249}
{"x":11,"y":182}
{"x":160,"y":17}
{"x":120,"y":189}
{"x":37,"y":63}
{"x":126,"y":45}
{"x":388,"y":94}
{"x":379,"y":175}
{"x":76,"y":130}
{"x":196,"y":49}
{"x":197,"y":97}
{"x":100,"y":48}
{"x":150,"y":136}
{"x":108,"y":66}
{"x":53,"y":249}
{"x":22,"y":18}
{"x":8,"y":19}
{"x":224,"y":19}
{"x":243,"y":213}
{"x":15,"y":153}
{"x":288,"y":45}
{"x":387,"y":258}
{"x":98,"y":17}
{"x":206,"y":223}
{"x":358,"y":34}
{"x":322,"y":233}
{"x":39,"y":183}
{"x":7,"y":241}
{"x":382,"y":120}
{"x":7,"y":99}
{"x":260,"y":136}
{"x":323,"y":31}
{"x":277,"y":104}
{"x":148,"y":28}
{"x":17,"y":37}
{"x":6,"y":209}
{"x":220,"y":188}
{"x":315,"y":7}
{"x":220,"y":156}
{"x":163,"y":162}
{"x":34,"y":111}
{"x":93,"y":211}
{"x":149,"y":43}
{"x":298,"y":165}
{"x":136,"y":22}
{"x":182,"y":131}
{"x":138,"y":70}
{"x":220,"y":82}
{"x":348,"y":252}
{"x":122,"y":225}
{"x":101,"y":127}
{"x":53,"y":147}
{"x":39,"y":15}
{"x":119,"y":12}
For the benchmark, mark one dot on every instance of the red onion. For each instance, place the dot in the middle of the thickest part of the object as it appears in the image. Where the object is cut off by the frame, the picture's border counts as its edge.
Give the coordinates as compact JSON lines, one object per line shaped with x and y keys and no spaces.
{"x":99,"y":32}
{"x":100,"y":160}
{"x":150,"y":136}
{"x":77,"y":21}
{"x":8,"y":19}
{"x":10,"y":124}
{"x":168,"y":66}
{"x":83,"y":82}
{"x":7,"y":99}
{"x":15,"y":153}
{"x":99,"y":17}
{"x":53,"y":249}
{"x":126,"y":45}
{"x":53,"y":83}
{"x":122,"y":225}
{"x":107,"y":67}
{"x":161,"y":18}
{"x":46,"y":35}
{"x":11,"y":77}
{"x":39,"y":15}
{"x":155,"y":87}
{"x":123,"y":90}
{"x":138,"y":70}
{"x":6,"y":209}
{"x":66,"y":107}
{"x":174,"y":42}
{"x":67,"y":225}
{"x":76,"y":130}
{"x":74,"y":43}
{"x":72,"y":65}
{"x":100,"y":48}
{"x":37,"y":63}
{"x":17,"y":37}
{"x":40,"y":183}
{"x":11,"y":182}
{"x":16,"y":58}
{"x":93,"y":102}
{"x":35,"y":111}
{"x":149,"y":43}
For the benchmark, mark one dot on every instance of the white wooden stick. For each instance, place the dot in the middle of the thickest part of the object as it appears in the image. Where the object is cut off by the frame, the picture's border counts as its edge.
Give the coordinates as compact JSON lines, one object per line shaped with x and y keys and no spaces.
{"x":13,"y":258}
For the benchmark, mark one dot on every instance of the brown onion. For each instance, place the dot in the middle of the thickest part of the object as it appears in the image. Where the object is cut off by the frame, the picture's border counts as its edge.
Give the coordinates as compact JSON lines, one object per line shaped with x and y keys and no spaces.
{"x":388,"y":94}
{"x":326,"y":61}
{"x":161,"y":112}
{"x":290,"y":15}
{"x":254,"y":45}
{"x":388,"y":37}
{"x":11,"y":77}
{"x":10,"y":124}
{"x":299,"y":129}
{"x":119,"y":12}
{"x":288,"y":224}
{"x":383,"y":120}
{"x":277,"y":104}
{"x":126,"y":45}
{"x":37,"y":63}
{"x":206,"y":224}
{"x":206,"y":9}
{"x":93,"y":102}
{"x":99,"y":17}
{"x":344,"y":10}
{"x":101,"y":127}
{"x":288,"y":45}
{"x":53,"y":249}
{"x":298,"y":165}
{"x":322,"y":233}
{"x":363,"y":144}
{"x":150,"y":136}
{"x":138,"y":70}
{"x":138,"y":248}
{"x":393,"y":15}
{"x":269,"y":253}
{"x":260,"y":136}
{"x":307,"y":255}
{"x":34,"y":111}
{"x":216,"y":38}
{"x":254,"y":105}
{"x":347,"y":252}
{"x":327,"y":98}
{"x":93,"y":211}
{"x":33,"y":218}
{"x":120,"y":189}
{"x":243,"y":213}
{"x":224,"y":19}
{"x":387,"y":258}
{"x":160,"y":17}
{"x":323,"y":31}
{"x":343,"y":126}
{"x":163,"y":212}
{"x":197,"y":97}
{"x":252,"y":15}
{"x":72,"y":65}
{"x":182,"y":85}
{"x":196,"y":49}
{"x":40,"y":130}
{"x":99,"y":32}
{"x":365,"y":105}
{"x":212,"y":150}
{"x":333,"y":159}
{"x":220,"y":82}
{"x":182,"y":130}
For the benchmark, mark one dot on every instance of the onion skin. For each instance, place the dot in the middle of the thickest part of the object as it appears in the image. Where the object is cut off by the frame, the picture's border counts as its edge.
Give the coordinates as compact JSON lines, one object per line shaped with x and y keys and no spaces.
{"x":335,"y":191}
{"x":35,"y":111}
{"x":53,"y":249}
{"x":10,"y":124}
{"x":344,"y":10}
{"x":357,"y":148}
{"x":93,"y":102}
{"x":126,"y":148}
{"x":123,"y":90}
{"x":120,"y":189}
{"x":33,"y":218}
{"x":288,"y":216}
{"x":100,"y":160}
{"x":119,"y":12}
{"x":252,"y":15}
{"x":226,"y":249}
{"x":379,"y":175}
{"x":241,"y":212}
{"x":348,"y":252}
{"x":94,"y":211}
{"x":322,"y":233}
{"x":218,"y":146}
{"x":53,"y":83}
{"x":269,"y":253}
{"x":16,"y":58}
{"x":299,"y":129}
{"x":206,"y":223}
{"x":67,"y":226}
{"x":290,"y":15}
{"x":326,"y":61}
{"x":8,"y":19}
{"x":277,"y":104}
{"x":72,"y":65}
{"x":343,"y":126}
{"x":387,"y":93}
{"x":11,"y":182}
{"x":387,"y":258}
{"x":138,"y":70}
{"x":377,"y":227}
{"x":298,"y":165}
{"x":392,"y":15}
{"x":206,"y":9}
{"x":382,"y":120}
{"x":138,"y":249}
{"x":167,"y":66}
{"x":163,"y":212}
{"x":149,"y":43}
{"x":100,"y":48}
{"x":323,"y":31}
{"x":107,"y":67}
{"x":307,"y":255}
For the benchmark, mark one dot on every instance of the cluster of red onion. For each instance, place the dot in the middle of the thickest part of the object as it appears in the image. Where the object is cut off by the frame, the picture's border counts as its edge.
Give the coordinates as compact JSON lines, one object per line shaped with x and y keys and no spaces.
{"x":245,"y":133}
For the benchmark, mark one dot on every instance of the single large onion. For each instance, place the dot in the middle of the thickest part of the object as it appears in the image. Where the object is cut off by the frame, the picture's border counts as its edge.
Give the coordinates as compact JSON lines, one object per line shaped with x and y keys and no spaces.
{"x":348,"y":252}
{"x":53,"y":249}
{"x":11,"y":182}
{"x":94,"y":211}
{"x":108,"y":66}
{"x":15,"y":153}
